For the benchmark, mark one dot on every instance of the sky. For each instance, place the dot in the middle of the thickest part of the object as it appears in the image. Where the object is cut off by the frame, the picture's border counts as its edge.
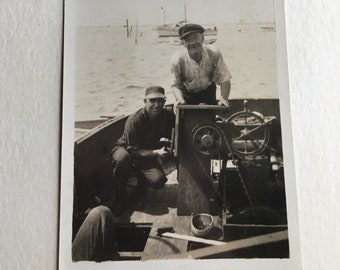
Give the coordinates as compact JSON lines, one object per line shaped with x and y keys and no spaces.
{"x":150,"y":12}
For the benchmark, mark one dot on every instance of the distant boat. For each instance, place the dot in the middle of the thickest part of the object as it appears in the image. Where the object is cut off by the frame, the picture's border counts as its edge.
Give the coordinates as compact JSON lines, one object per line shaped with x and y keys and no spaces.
{"x":171,"y":30}
{"x":207,"y":39}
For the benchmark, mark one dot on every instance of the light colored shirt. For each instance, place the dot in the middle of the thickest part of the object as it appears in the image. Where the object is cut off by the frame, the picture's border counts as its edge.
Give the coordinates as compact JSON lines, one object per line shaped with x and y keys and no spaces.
{"x":187,"y":73}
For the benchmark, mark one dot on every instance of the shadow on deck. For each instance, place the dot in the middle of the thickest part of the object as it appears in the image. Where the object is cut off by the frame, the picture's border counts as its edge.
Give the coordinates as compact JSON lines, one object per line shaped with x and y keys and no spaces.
{"x":144,"y":206}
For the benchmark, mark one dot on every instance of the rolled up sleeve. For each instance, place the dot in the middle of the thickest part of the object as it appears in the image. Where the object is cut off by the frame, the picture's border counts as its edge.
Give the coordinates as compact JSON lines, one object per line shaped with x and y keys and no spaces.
{"x":176,"y":72}
{"x":221,"y":72}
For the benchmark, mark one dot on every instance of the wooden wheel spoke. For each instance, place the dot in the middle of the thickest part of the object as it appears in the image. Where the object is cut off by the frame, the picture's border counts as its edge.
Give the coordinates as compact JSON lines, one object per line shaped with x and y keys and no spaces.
{"x":244,"y":127}
{"x":255,"y":141}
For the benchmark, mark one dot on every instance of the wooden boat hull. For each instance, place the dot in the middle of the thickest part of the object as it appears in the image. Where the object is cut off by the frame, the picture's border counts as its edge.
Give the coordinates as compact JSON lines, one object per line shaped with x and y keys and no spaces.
{"x":144,"y":217}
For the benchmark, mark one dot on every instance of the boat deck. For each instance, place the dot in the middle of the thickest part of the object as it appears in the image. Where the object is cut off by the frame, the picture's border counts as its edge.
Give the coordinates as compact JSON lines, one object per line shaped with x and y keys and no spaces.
{"x":150,"y":211}
{"x":171,"y":206}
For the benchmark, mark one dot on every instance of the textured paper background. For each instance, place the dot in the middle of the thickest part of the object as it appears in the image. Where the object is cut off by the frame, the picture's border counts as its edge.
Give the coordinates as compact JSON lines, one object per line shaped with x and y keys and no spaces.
{"x":30,"y":98}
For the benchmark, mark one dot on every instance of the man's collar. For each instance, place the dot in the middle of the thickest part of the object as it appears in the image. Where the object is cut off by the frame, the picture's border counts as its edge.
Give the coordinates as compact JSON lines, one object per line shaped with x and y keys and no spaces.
{"x":204,"y":54}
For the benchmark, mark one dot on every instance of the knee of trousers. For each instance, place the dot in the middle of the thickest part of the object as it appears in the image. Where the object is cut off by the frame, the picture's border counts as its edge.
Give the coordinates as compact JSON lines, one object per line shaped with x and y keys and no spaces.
{"x":121,"y":158}
{"x":100,"y":213}
{"x":157,"y":180}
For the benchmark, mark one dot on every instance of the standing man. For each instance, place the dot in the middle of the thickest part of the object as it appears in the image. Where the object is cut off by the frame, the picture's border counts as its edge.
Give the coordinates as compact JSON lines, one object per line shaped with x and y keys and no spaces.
{"x":197,"y":69}
{"x":143,"y":142}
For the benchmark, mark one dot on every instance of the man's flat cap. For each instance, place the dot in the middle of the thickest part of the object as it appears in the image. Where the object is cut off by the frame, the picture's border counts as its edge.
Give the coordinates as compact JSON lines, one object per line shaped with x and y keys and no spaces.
{"x":154,"y":92}
{"x":188,"y":29}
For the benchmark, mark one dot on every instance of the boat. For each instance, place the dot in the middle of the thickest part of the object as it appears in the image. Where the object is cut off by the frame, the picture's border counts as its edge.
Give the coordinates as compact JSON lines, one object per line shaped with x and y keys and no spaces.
{"x":207,"y":40}
{"x":171,"y":30}
{"x":226,"y":165}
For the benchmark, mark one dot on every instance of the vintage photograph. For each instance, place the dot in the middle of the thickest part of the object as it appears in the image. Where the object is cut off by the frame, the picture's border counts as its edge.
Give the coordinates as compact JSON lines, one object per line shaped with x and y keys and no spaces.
{"x":177,"y":147}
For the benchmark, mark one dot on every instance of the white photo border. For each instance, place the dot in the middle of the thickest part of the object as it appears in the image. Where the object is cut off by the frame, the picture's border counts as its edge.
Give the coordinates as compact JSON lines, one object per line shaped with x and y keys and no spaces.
{"x":66,"y":198}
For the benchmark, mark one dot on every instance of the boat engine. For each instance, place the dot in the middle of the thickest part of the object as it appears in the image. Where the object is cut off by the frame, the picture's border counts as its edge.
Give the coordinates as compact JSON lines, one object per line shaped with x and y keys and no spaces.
{"x":231,"y":165}
{"x":247,"y":165}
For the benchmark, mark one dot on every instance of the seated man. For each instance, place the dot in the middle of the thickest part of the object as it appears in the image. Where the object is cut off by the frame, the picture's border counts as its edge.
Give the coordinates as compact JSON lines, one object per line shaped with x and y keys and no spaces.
{"x":139,"y":147}
{"x":141,"y":144}
{"x":197,"y":68}
{"x":95,"y":239}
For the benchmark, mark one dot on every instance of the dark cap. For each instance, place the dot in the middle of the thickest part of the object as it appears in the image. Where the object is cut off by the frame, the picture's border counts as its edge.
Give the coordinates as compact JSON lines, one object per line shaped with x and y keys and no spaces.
{"x":154,"y":92}
{"x":188,"y":29}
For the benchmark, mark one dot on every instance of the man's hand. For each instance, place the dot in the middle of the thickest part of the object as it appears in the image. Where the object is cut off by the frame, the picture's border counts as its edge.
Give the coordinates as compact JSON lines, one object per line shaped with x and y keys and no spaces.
{"x":181,"y":102}
{"x":162,"y":152}
{"x":164,"y":140}
{"x":224,"y":102}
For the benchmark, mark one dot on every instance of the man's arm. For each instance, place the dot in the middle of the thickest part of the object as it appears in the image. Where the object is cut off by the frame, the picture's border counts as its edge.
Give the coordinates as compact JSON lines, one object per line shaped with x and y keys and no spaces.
{"x":179,"y":98}
{"x":225,"y":91}
{"x":177,"y":85}
{"x":178,"y":95}
{"x":221,"y":75}
{"x":148,"y":153}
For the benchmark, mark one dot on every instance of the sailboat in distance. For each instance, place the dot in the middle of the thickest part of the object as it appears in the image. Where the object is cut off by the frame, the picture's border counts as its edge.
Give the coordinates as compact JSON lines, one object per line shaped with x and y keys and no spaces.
{"x":171,"y":30}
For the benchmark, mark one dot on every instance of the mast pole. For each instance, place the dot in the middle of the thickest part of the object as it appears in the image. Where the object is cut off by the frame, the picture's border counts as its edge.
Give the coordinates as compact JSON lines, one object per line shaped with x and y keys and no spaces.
{"x":185,"y":13}
{"x":127,"y":28}
{"x":136,"y":34}
{"x":162,"y":8}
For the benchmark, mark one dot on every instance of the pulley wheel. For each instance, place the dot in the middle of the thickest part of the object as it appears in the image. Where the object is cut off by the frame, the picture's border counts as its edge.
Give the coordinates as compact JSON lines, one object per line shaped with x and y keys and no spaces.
{"x":207,"y":139}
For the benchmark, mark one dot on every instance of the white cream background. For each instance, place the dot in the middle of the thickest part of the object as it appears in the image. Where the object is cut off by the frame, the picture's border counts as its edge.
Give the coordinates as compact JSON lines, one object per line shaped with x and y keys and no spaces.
{"x":30,"y":127}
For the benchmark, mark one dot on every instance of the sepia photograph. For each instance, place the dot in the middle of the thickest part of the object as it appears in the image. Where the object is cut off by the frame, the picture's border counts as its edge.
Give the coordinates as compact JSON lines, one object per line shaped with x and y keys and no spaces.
{"x":173,"y":148}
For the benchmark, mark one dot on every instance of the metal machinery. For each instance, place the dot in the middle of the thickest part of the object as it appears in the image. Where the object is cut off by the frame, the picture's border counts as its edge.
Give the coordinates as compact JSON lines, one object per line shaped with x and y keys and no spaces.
{"x":232,"y":166}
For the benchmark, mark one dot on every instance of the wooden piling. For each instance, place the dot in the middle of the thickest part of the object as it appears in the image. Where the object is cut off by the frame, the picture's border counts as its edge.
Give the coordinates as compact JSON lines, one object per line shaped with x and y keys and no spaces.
{"x":127,"y":28}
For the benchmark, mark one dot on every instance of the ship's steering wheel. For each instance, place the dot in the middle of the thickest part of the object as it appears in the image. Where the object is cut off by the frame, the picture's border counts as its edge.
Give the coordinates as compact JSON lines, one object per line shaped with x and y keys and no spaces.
{"x":249,"y":132}
{"x":247,"y":135}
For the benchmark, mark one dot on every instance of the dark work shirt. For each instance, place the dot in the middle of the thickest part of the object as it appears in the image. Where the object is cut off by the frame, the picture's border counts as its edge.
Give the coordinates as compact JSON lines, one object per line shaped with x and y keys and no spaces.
{"x":141,"y":132}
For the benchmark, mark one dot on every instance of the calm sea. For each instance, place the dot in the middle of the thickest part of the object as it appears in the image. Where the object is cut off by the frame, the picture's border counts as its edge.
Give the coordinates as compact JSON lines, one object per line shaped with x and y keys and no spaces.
{"x":112,"y":70}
